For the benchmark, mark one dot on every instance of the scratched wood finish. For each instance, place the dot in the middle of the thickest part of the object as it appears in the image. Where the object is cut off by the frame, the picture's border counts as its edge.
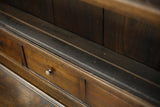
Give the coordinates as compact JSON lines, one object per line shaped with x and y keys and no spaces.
{"x":10,"y":47}
{"x":61,"y":77}
{"x":14,"y":93}
{"x":40,"y":8}
{"x":79,"y":17}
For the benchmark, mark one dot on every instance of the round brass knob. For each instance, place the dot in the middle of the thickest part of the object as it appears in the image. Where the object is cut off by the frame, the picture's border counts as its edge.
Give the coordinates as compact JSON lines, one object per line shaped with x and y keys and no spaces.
{"x":48,"y":72}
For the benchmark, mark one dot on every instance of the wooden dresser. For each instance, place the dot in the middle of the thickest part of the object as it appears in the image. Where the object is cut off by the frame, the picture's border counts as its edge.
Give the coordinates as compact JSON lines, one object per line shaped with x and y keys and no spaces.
{"x":98,"y":53}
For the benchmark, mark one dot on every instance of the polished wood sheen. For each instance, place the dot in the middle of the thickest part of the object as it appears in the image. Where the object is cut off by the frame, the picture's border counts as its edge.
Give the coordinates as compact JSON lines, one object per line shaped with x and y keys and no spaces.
{"x":143,"y":10}
{"x":132,"y":38}
{"x":78,"y":72}
{"x":17,"y":93}
{"x":39,"y":63}
{"x":128,"y":27}
{"x":40,"y":82}
{"x":141,"y":42}
{"x":39,"y":8}
{"x":10,"y":47}
{"x":44,"y":57}
{"x":80,"y":18}
{"x":98,"y":97}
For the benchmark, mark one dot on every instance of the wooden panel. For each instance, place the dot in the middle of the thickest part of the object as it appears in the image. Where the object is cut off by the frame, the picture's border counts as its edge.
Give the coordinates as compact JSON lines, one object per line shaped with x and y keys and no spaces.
{"x":141,"y":42}
{"x":130,"y":37}
{"x":40,"y":8}
{"x":80,"y":18}
{"x":144,"y":10}
{"x":61,"y":77}
{"x":113,"y":30}
{"x":98,"y":97}
{"x":10,"y":47}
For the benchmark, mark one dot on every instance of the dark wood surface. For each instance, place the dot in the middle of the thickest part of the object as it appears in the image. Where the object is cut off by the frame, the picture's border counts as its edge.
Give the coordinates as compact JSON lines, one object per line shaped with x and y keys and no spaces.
{"x":76,"y":16}
{"x":39,"y":63}
{"x":137,"y":40}
{"x":141,"y":42}
{"x":10,"y":47}
{"x":142,"y":10}
{"x":41,"y":83}
{"x":129,"y":27}
{"x":77,"y":41}
{"x":15,"y":92}
{"x":81,"y":18}
{"x":98,"y":97}
{"x":87,"y":96}
{"x":40,"y":8}
{"x":114,"y":25}
{"x":93,"y":94}
{"x":49,"y":45}
{"x":95,"y":78}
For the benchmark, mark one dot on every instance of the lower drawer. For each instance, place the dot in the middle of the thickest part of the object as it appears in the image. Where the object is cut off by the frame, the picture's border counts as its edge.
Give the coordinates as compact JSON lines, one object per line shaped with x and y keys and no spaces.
{"x":63,"y":78}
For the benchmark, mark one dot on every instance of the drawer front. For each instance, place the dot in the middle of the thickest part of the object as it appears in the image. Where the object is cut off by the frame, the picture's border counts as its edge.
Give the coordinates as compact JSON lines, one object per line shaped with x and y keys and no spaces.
{"x":98,"y":97}
{"x":64,"y":79}
{"x":10,"y":47}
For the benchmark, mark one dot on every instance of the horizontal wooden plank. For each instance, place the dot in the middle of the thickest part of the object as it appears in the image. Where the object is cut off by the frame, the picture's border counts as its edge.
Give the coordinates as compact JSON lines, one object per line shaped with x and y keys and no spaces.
{"x":138,"y":10}
{"x":40,"y":8}
{"x":79,"y":17}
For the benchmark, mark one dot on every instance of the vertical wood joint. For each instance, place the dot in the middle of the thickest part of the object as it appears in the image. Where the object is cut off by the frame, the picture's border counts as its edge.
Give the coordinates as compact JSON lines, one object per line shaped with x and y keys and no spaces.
{"x":83,"y":89}
{"x":22,"y":55}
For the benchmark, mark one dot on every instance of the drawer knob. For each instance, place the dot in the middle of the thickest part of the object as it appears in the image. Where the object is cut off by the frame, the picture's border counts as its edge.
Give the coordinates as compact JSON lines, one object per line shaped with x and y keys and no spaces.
{"x":48,"y":72}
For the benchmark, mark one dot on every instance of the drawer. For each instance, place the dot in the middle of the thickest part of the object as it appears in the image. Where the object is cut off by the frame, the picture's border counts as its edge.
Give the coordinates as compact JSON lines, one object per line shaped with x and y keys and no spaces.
{"x":9,"y":47}
{"x":98,"y":97}
{"x":40,"y":63}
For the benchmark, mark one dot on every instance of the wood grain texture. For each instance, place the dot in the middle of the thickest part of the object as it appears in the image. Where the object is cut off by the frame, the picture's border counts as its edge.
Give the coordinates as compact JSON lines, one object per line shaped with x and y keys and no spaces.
{"x":40,"y":83}
{"x":40,"y":8}
{"x":141,"y":42}
{"x":109,"y":88}
{"x":92,"y":48}
{"x":114,"y":25}
{"x":79,"y":17}
{"x":143,"y":10}
{"x":61,"y":77}
{"x":98,"y":97}
{"x":83,"y":89}
{"x":137,"y":40}
{"x":10,"y":47}
{"x":17,"y":93}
